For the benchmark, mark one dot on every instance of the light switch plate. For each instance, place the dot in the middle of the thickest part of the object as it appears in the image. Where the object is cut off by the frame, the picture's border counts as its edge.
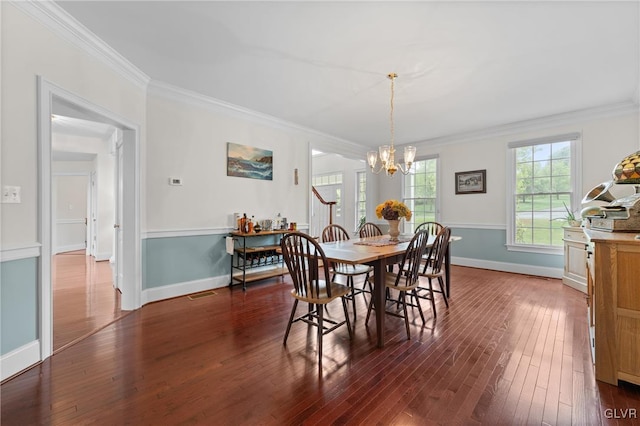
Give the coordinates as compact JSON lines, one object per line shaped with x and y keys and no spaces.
{"x":10,"y":194}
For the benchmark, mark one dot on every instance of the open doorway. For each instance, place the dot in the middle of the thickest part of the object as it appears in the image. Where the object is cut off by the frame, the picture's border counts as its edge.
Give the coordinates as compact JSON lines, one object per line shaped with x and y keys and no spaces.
{"x":340,"y":179}
{"x":123,"y":228}
{"x":84,"y":296}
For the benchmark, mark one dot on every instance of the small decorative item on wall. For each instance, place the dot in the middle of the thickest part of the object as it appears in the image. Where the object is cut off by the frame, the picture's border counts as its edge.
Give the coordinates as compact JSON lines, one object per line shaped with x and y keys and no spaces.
{"x":249,"y":162}
{"x":472,"y":182}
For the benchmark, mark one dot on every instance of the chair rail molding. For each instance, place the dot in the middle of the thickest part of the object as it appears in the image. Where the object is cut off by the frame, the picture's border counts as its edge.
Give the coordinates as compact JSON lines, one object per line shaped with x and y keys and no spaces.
{"x":18,"y":253}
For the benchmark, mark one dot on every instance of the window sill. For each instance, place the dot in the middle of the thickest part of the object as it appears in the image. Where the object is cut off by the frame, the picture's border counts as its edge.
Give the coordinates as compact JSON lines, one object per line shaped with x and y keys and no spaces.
{"x":557,"y":251}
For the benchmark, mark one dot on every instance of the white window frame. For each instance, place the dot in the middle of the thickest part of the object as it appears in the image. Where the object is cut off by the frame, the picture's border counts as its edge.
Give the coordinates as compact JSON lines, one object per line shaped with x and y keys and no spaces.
{"x":576,"y":185}
{"x":435,"y":157}
{"x":362,"y":172}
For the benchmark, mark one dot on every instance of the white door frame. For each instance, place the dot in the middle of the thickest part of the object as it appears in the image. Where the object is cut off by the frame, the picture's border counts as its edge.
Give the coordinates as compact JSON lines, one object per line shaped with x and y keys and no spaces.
{"x":132,"y":276}
{"x":54,"y":194}
{"x":92,"y":216}
{"x":118,"y":236}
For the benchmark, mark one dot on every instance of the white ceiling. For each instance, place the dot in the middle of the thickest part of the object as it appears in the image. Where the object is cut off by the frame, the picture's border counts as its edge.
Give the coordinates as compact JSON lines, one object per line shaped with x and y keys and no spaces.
{"x":77,"y":149}
{"x":65,"y":125}
{"x":462,"y":66}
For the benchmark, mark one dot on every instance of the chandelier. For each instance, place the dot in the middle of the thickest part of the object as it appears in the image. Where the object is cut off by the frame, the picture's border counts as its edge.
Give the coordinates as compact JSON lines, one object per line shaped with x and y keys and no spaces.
{"x":387,"y":152}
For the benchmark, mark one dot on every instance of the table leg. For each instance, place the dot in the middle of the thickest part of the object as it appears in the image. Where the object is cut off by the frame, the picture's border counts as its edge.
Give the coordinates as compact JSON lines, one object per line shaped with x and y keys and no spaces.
{"x":447,"y":270}
{"x":379,"y":295}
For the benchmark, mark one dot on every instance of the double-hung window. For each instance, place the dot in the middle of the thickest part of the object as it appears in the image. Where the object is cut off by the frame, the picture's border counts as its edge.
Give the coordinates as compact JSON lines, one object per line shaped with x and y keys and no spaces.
{"x":543,"y":179}
{"x":361,"y":198}
{"x":421,"y":192}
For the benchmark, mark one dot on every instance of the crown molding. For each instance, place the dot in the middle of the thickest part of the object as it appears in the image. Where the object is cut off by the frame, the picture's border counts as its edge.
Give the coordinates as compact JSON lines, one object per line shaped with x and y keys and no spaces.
{"x":567,"y":118}
{"x":178,"y":94}
{"x":67,"y":27}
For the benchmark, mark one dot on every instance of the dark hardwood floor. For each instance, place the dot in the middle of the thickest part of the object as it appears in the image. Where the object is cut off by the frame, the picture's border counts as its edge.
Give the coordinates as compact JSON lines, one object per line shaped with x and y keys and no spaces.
{"x":84,"y":299}
{"x":511,"y":349}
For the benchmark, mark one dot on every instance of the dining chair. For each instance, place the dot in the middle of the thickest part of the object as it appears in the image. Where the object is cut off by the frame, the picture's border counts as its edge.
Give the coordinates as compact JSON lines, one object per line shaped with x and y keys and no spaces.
{"x":432,"y":228}
{"x":309,"y":271}
{"x":406,"y":280}
{"x":370,"y":230}
{"x":335,"y":232}
{"x":435,"y":269}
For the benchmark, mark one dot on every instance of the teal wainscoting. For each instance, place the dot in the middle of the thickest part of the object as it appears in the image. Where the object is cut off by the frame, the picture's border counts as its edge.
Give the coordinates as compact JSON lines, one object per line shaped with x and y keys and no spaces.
{"x":174,"y":260}
{"x":18,"y":303}
{"x":489,"y":245}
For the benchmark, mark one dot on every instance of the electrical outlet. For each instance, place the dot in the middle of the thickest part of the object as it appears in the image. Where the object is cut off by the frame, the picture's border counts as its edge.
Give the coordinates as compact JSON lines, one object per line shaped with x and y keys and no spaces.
{"x":175,"y":181}
{"x":11,"y":194}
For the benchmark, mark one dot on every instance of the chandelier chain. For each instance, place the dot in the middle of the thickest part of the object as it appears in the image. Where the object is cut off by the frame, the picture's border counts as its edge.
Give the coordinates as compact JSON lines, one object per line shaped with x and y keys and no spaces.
{"x":392,"y":77}
{"x":386,"y":153}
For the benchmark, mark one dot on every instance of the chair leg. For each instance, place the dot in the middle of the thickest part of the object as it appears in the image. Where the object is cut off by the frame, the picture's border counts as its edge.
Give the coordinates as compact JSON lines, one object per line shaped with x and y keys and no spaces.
{"x":364,"y":289}
{"x":353,"y":295}
{"x":414,"y":294}
{"x":406,"y":316}
{"x":433,"y":299}
{"x":293,"y":313}
{"x":366,"y":321}
{"x":444,"y":295}
{"x":320,"y":334}
{"x":346,"y":317}
{"x":367,"y":281}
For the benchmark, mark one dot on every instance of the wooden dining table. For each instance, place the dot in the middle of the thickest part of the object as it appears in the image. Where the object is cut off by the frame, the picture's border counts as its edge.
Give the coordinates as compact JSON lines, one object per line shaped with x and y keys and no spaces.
{"x":378,"y":252}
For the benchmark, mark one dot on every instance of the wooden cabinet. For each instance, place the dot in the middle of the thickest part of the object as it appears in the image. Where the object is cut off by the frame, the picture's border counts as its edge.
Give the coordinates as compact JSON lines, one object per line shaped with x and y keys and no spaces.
{"x":256,"y":256}
{"x":575,"y":268}
{"x":614,"y":296}
{"x":591,"y":312}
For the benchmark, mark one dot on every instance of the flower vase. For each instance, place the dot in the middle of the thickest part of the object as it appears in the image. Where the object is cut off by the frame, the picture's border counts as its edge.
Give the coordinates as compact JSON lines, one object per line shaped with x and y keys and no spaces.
{"x":394,"y":230}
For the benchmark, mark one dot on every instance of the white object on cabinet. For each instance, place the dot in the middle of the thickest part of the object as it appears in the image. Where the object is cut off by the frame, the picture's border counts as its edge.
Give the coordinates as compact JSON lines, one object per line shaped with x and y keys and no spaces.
{"x":575,"y":259}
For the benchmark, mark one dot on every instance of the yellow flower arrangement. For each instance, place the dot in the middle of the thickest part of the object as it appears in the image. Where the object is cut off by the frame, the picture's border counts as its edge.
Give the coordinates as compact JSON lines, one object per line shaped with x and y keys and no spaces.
{"x":393,"y":210}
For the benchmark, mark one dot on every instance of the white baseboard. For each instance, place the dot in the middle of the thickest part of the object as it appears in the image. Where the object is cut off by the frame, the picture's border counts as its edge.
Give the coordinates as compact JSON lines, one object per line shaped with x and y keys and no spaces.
{"x":102,"y":256}
{"x":19,"y":359}
{"x":71,"y":247}
{"x":181,"y":289}
{"x":575,"y":284}
{"x":517,"y":268}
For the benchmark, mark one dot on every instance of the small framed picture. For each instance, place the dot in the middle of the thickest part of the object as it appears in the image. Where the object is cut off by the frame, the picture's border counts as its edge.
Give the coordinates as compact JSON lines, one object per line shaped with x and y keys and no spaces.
{"x":473,"y":182}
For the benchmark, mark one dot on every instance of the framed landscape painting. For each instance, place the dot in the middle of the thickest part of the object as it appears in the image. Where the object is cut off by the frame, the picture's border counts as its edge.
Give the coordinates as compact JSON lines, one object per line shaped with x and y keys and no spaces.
{"x":249,"y":162}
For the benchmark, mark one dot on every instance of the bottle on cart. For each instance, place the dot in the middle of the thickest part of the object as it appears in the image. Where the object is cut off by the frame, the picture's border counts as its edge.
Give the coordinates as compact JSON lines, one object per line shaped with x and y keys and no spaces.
{"x":250,"y":226}
{"x":243,"y":227}
{"x":277,"y":222}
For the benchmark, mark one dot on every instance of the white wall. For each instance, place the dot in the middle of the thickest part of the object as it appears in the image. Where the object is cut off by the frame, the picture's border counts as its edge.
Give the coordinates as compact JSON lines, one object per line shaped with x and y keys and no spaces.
{"x":190,"y":142}
{"x":69,"y":205}
{"x":605,"y":141}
